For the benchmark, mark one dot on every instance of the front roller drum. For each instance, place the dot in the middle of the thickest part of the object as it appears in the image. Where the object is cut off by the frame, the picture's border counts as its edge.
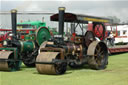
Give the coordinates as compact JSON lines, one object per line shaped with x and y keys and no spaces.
{"x":7,"y":62}
{"x":46,"y":65}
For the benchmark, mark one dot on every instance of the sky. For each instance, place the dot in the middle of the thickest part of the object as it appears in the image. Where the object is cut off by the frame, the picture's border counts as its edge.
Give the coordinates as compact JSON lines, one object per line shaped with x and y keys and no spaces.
{"x":90,"y":7}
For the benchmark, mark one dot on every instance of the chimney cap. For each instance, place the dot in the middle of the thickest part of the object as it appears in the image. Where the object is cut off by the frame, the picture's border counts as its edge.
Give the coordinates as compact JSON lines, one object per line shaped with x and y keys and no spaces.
{"x":13,"y":11}
{"x":62,"y":8}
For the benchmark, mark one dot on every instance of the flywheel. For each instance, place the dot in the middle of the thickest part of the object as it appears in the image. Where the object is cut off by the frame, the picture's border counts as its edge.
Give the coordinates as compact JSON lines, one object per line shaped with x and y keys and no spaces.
{"x":89,"y":38}
{"x":42,"y":34}
{"x":99,"y":30}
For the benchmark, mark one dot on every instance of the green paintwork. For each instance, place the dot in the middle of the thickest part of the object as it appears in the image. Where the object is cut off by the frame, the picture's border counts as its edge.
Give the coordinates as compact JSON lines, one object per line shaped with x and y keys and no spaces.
{"x":42,"y":35}
{"x":35,"y":24}
{"x":31,"y":25}
{"x":29,"y":37}
{"x":27,"y":46}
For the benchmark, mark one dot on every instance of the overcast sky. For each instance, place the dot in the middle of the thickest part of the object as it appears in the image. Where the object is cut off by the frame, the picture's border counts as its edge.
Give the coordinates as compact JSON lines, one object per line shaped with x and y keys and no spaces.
{"x":117,"y":8}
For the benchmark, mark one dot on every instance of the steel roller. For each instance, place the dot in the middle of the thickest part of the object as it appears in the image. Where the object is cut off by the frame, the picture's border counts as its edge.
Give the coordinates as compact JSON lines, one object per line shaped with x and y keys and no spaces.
{"x":4,"y":55}
{"x":47,"y":64}
{"x":46,"y":57}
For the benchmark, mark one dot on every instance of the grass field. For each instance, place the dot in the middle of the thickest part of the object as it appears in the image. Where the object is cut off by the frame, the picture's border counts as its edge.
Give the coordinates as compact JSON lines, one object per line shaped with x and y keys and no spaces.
{"x":115,"y":74}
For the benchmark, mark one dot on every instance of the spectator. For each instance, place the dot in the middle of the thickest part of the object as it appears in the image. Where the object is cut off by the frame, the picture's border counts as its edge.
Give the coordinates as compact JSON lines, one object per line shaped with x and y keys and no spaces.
{"x":111,"y":38}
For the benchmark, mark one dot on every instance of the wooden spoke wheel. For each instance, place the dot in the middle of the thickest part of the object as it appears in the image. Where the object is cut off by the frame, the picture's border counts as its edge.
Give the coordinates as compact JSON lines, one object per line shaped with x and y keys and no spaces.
{"x":98,"y":58}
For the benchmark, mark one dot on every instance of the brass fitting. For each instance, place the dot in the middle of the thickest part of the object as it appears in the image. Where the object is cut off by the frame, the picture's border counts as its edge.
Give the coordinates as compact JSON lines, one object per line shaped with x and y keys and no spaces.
{"x":13,"y":11}
{"x":61,"y":8}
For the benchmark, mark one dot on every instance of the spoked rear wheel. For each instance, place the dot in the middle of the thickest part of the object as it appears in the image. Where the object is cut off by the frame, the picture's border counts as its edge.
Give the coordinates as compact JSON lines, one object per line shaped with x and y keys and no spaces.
{"x":98,"y":58}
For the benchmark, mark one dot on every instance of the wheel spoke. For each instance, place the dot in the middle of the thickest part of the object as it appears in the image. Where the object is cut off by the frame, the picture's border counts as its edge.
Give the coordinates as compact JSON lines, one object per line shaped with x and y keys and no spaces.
{"x":99,"y":30}
{"x":101,"y":53}
{"x":95,"y":55}
{"x":98,"y":49}
{"x":102,"y":56}
{"x":99,"y":62}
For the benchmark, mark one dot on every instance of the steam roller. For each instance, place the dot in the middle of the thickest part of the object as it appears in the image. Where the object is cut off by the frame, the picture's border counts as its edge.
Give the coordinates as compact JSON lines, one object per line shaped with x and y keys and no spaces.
{"x":15,"y":50}
{"x":9,"y":60}
{"x":4,"y":65}
{"x":8,"y":64}
{"x":49,"y":62}
{"x":73,"y":50}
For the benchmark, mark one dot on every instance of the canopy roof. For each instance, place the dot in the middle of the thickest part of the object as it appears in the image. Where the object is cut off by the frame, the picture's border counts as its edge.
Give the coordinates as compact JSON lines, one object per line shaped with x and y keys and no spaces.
{"x":79,"y":18}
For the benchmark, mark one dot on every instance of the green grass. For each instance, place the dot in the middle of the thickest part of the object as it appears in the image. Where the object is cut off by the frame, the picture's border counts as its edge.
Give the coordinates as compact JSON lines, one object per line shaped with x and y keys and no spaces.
{"x":115,"y":74}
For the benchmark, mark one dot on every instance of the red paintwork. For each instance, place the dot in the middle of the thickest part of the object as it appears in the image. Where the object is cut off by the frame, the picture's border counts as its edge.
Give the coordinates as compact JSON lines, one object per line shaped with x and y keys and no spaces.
{"x":18,"y":30}
{"x":118,"y":50}
{"x":0,"y":44}
{"x":90,"y":27}
{"x":73,"y":36}
{"x":111,"y":50}
{"x":3,"y":37}
{"x":121,"y":37}
{"x":27,"y":31}
{"x":97,"y":31}
{"x":22,"y":36}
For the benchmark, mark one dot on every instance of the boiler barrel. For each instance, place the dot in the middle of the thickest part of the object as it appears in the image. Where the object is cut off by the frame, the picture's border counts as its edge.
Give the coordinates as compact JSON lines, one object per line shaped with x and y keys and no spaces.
{"x":27,"y":46}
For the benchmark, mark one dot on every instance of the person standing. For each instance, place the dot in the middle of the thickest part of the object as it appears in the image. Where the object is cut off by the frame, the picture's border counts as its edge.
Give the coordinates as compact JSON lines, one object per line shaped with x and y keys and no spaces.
{"x":111,"y":36}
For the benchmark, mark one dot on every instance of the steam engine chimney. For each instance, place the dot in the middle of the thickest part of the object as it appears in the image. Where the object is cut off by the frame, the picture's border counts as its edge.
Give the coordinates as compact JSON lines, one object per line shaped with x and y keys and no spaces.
{"x":61,"y":20}
{"x":14,"y":22}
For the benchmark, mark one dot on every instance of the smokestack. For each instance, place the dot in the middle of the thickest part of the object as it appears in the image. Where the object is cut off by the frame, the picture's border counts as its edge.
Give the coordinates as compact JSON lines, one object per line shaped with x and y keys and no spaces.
{"x":14,"y":22}
{"x":61,"y":20}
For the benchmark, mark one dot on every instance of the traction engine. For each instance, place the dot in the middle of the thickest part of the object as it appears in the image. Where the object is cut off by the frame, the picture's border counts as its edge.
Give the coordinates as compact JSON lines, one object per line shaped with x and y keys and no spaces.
{"x":16,"y":50}
{"x":78,"y":50}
